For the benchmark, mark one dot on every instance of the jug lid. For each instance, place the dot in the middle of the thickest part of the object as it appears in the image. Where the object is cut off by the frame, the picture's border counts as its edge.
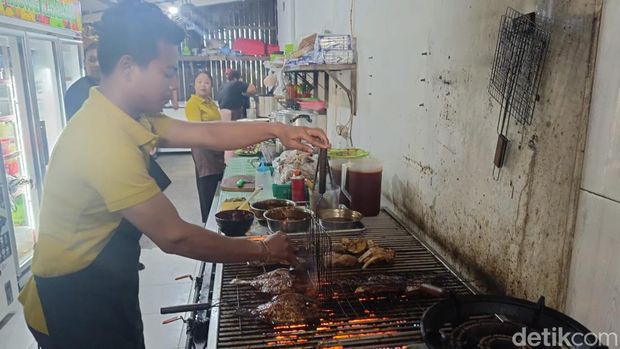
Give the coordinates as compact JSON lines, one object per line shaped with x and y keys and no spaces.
{"x":366,"y":164}
{"x":347,"y":153}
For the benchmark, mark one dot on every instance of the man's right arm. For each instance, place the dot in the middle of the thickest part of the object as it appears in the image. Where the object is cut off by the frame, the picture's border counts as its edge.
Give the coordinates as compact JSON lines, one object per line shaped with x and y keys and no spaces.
{"x":160,"y":221}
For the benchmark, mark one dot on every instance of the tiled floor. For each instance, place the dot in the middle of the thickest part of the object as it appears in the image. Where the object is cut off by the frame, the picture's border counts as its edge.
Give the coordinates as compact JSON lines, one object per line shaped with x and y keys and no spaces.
{"x":157,"y":285}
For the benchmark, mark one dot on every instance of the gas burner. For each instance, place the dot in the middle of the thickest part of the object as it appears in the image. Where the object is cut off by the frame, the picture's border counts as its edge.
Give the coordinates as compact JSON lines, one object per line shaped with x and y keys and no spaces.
{"x":484,"y":333}
{"x":477,"y":322}
{"x":499,"y":341}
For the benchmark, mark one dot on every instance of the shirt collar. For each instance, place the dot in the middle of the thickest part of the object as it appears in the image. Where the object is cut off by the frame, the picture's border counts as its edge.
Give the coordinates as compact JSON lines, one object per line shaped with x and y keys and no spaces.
{"x":200,"y":99}
{"x":140,"y":131}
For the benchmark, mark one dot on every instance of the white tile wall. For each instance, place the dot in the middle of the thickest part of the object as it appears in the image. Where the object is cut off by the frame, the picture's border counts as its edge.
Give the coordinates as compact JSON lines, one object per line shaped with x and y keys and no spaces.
{"x":602,"y":158}
{"x":593,"y":296}
{"x":594,"y":291}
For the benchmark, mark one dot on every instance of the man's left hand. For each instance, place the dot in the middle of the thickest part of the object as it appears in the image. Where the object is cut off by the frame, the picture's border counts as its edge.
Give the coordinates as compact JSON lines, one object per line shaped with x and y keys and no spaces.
{"x":292,"y":137}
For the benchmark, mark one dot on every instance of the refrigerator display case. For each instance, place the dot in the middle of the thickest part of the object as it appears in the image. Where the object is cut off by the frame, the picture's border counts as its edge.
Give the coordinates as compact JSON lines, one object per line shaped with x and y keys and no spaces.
{"x":20,"y":158}
{"x":8,"y":268}
{"x":35,"y":70}
{"x":47,"y":87}
{"x":15,"y":200}
{"x":71,"y":62}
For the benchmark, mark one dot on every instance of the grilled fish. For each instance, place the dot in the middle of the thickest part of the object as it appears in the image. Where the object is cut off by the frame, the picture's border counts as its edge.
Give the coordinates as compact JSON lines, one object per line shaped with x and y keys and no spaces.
{"x":381,"y":285}
{"x":289,"y":308}
{"x":275,"y":282}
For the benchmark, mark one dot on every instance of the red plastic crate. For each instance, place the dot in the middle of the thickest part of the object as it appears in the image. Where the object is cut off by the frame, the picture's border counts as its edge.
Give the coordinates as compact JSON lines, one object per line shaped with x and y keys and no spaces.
{"x":249,"y":47}
{"x":271,"y":48}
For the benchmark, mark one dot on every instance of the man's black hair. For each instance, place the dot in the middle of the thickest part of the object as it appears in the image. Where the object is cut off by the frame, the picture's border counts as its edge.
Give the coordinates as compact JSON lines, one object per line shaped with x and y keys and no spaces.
{"x":134,"y":29}
{"x":234,"y":75}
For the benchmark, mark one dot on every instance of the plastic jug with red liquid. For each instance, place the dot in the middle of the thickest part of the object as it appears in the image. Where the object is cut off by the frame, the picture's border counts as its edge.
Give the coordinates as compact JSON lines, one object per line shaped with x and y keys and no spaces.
{"x":361,"y":183}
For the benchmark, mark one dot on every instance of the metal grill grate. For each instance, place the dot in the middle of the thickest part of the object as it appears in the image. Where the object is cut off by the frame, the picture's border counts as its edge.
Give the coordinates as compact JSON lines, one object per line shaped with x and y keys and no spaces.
{"x":517,"y":67}
{"x":318,"y":243}
{"x":346,"y":319}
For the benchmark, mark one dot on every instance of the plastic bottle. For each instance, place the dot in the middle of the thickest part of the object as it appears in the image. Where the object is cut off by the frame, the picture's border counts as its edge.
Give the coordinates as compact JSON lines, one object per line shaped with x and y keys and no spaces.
{"x":298,"y":184}
{"x":262,"y":177}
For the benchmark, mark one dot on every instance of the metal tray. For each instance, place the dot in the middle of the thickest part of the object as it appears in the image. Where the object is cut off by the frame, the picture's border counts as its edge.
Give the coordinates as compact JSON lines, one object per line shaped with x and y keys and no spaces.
{"x":257,"y":229}
{"x":359,"y":227}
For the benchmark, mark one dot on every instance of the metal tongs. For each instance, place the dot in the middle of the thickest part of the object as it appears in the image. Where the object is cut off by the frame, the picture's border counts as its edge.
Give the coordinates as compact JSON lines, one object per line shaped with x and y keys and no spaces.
{"x":322,"y":170}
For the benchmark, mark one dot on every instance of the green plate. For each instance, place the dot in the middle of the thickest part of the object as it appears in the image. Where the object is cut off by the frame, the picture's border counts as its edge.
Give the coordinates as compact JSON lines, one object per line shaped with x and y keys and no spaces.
{"x":243,"y":152}
{"x":347,"y":153}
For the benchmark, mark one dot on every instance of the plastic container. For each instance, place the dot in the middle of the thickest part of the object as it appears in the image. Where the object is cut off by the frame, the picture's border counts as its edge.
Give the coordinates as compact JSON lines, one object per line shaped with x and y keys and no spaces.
{"x":361,"y":178}
{"x":340,"y":157}
{"x":334,"y":42}
{"x":8,"y":146}
{"x":311,"y":104}
{"x":262,"y":177}
{"x":250,"y":47}
{"x":331,"y":198}
{"x":12,"y":166}
{"x":271,"y":48}
{"x":281,"y":191}
{"x":338,"y":56}
{"x":289,"y":48}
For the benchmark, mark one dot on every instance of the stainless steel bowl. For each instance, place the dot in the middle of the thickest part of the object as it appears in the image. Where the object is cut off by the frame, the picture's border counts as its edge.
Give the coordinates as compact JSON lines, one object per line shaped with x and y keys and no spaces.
{"x":288,"y":219}
{"x":339,"y":218}
{"x":260,"y":207}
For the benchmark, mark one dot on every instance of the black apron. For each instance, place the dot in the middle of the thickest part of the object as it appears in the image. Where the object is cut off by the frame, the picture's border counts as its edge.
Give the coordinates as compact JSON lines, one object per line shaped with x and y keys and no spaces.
{"x":98,"y":307}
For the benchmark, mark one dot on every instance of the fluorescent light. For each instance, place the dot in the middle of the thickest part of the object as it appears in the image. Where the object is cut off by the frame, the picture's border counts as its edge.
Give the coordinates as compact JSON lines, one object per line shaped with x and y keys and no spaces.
{"x":173,"y":10}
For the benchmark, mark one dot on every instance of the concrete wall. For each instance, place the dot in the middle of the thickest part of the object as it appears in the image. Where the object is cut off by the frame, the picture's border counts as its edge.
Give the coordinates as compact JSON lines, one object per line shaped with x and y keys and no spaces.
{"x":437,"y":136}
{"x":594,"y":291}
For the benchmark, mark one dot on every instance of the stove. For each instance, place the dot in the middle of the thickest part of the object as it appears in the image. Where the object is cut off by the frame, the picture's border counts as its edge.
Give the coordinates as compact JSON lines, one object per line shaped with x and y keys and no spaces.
{"x":485,"y":321}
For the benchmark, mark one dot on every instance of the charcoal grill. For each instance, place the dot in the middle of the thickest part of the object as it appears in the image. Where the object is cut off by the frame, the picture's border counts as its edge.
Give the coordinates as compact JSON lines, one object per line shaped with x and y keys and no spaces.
{"x":390,"y":321}
{"x":457,"y":319}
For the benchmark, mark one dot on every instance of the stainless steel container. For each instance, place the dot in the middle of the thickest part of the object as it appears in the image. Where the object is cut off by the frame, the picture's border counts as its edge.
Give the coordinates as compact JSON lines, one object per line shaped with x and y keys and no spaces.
{"x":260,"y":207}
{"x":339,"y":218}
{"x":307,"y":118}
{"x":265,"y":105}
{"x":288,"y":219}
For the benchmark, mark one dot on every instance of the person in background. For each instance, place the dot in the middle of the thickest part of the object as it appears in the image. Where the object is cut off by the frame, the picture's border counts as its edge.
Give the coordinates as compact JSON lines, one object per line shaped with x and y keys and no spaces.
{"x":231,"y":95}
{"x":209,"y":163}
{"x":77,"y":93}
{"x":102,"y":190}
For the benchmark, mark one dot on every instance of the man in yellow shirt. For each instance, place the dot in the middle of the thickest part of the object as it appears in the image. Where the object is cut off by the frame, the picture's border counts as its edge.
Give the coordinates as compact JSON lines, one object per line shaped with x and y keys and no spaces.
{"x":99,"y":198}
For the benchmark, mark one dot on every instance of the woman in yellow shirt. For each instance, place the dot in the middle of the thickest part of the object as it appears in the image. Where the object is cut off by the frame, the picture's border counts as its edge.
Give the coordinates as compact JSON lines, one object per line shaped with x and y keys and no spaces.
{"x":209,"y":163}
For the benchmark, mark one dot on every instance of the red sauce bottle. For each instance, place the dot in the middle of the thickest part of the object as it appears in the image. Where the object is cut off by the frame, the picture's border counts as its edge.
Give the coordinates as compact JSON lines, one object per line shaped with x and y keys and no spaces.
{"x":298,"y":184}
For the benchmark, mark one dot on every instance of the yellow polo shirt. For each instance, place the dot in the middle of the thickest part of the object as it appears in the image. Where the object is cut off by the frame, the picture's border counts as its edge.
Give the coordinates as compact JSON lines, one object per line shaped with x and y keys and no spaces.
{"x":199,"y":109}
{"x":208,"y":162}
{"x":98,"y":166}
